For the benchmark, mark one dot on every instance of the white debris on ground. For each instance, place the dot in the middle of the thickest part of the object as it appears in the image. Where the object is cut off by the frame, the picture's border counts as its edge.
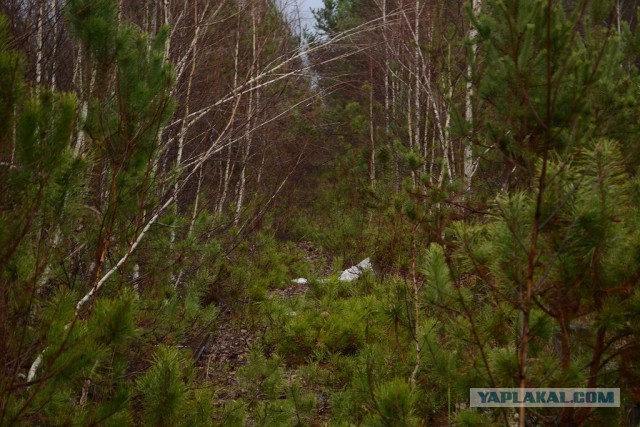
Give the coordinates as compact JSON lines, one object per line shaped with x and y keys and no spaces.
{"x":354,"y":272}
{"x":350,"y":274}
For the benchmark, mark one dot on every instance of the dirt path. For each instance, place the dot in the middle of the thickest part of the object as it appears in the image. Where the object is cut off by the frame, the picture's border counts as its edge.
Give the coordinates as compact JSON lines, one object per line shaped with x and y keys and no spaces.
{"x":230,"y":343}
{"x":228,"y":347}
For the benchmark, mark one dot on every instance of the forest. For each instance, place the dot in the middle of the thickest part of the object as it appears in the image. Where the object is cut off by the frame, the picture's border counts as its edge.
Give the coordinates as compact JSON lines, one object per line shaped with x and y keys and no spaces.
{"x":214,"y":214}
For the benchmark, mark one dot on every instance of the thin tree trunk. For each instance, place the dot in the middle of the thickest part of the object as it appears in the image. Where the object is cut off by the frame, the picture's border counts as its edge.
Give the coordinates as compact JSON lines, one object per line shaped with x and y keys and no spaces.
{"x":417,"y":72}
{"x":167,"y":21}
{"x":39,"y":46}
{"x":229,"y":166}
{"x":187,"y":100}
{"x":372,"y":167}
{"x":416,"y":307}
{"x":468,"y":160}
{"x":389,"y":96}
{"x":228,"y":171}
{"x":194,"y":213}
{"x":84,"y":84}
{"x":53,"y":14}
{"x":248,"y":131}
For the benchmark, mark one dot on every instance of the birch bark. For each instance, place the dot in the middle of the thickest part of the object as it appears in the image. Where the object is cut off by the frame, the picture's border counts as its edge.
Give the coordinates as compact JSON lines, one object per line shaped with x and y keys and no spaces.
{"x":253,"y":97}
{"x":469,"y":163}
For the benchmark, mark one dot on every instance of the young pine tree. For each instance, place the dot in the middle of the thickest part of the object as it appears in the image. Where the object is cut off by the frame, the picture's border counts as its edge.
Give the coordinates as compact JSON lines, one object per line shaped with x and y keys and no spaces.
{"x":546,"y":286}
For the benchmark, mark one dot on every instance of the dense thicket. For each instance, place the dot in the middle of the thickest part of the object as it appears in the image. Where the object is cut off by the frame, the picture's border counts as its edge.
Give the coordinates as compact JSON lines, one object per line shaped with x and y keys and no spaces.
{"x":136,"y":141}
{"x":166,"y":169}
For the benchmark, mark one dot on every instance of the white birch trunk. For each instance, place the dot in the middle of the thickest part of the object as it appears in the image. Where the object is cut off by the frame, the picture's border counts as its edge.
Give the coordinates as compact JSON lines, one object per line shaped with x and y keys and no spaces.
{"x":372,"y":167}
{"x":469,"y":163}
{"x":250,"y":112}
{"x":39,"y":46}
{"x":228,"y":171}
{"x":417,"y":72}
{"x":53,"y":14}
{"x":194,"y":213}
{"x":229,"y":166}
{"x":85,"y":87}
{"x":167,"y":21}
{"x":187,"y":100}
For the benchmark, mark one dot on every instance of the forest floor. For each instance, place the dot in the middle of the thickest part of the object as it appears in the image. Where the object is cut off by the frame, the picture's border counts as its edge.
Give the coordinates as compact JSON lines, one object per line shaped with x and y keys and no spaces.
{"x":235,"y":336}
{"x":231,"y":343}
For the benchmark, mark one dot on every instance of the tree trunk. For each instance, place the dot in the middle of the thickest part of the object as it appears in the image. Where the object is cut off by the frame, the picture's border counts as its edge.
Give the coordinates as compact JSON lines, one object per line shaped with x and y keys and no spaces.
{"x":469,"y":163}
